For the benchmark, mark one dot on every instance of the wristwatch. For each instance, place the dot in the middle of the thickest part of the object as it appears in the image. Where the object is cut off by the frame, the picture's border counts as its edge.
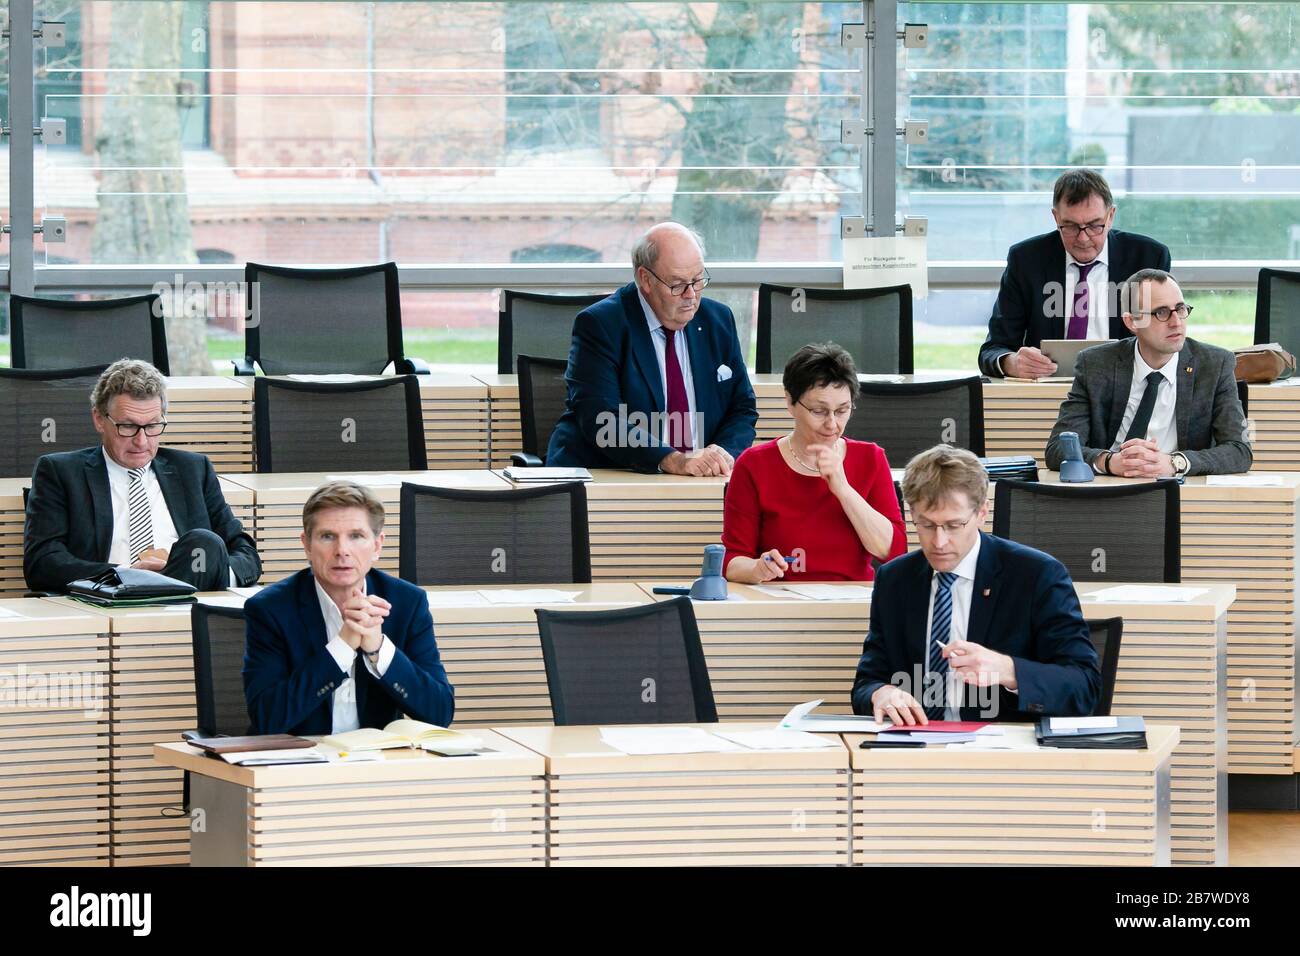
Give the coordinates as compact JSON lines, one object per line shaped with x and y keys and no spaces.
{"x":1097,"y":462}
{"x":1180,"y":463}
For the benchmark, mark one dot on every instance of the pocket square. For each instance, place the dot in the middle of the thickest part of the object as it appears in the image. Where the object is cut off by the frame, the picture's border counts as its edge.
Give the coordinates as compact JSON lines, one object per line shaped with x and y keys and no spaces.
{"x":724,"y":373}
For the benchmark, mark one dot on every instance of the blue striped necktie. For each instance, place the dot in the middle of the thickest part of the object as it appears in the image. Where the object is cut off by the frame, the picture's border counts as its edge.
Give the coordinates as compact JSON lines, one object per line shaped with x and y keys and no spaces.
{"x":940,"y":625}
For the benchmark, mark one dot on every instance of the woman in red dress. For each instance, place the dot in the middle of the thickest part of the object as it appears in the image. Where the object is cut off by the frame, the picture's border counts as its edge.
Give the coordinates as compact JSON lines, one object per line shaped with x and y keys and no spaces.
{"x":812,"y":505}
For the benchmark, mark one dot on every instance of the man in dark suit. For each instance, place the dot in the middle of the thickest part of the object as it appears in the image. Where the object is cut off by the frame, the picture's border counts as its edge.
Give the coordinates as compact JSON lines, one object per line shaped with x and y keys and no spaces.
{"x":305,"y":633}
{"x":1061,"y":285}
{"x":129,"y":502}
{"x":1157,"y":405}
{"x":970,"y":613}
{"x":656,"y":374}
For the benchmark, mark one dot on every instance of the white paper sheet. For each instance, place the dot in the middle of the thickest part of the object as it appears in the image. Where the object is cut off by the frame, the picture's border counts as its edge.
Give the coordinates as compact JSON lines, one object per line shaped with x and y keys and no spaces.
{"x":801,"y":717}
{"x":830,"y":592}
{"x":530,"y":596}
{"x":1082,"y":723}
{"x":456,"y":599}
{"x":1260,"y":480}
{"x":251,"y":758}
{"x":11,"y":615}
{"x":777,"y":739}
{"x":1146,"y":594}
{"x":642,"y":741}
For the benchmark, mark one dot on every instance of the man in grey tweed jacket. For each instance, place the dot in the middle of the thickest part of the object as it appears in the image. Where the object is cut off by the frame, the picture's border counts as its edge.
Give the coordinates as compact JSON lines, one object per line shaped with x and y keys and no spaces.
{"x":1159,"y":404}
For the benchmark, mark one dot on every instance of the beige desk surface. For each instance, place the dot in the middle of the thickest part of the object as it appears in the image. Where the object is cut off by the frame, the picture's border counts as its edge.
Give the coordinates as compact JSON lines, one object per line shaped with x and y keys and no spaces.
{"x":295,"y":487}
{"x":42,"y":616}
{"x":197,"y":388}
{"x":499,"y":386}
{"x":581,"y":750}
{"x":11,"y":492}
{"x":1161,"y":741}
{"x":651,"y":486}
{"x":511,"y":759}
{"x":447,"y":382}
{"x":1197,"y":486}
{"x":769,"y":380}
{"x":140,"y":620}
{"x":464,"y":603}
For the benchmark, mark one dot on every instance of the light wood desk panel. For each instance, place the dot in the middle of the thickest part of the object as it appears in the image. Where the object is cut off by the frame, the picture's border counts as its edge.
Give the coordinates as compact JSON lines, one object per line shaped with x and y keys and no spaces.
{"x":54,"y":736}
{"x":711,"y":809}
{"x":1045,"y":807}
{"x":412,"y":808}
{"x":212,"y":415}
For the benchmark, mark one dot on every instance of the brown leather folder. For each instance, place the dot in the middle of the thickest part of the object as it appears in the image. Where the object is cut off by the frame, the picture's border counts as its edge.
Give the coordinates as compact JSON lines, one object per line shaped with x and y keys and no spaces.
{"x":230,"y":745}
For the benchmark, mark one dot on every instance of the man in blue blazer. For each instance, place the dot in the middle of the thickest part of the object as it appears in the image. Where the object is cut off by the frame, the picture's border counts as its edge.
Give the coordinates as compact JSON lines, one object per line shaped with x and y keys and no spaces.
{"x":971,"y":627}
{"x":340,"y":645}
{"x":656,"y":374}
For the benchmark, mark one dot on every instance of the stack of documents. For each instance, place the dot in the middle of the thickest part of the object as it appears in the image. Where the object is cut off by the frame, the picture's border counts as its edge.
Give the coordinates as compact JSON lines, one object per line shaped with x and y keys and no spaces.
{"x":547,"y":474}
{"x":1146,"y":594}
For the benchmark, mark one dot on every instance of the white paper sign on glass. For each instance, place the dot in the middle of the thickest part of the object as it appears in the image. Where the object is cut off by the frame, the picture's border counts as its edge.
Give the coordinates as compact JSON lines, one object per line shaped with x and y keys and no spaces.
{"x":878,"y":263}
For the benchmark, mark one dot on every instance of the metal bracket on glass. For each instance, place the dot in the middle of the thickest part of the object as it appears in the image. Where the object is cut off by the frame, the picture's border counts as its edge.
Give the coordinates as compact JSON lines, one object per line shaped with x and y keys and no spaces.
{"x":914,"y":35}
{"x":854,"y":132}
{"x":53,"y":132}
{"x":853,"y":227}
{"x":853,"y":36}
{"x":52,"y":33}
{"x":914,"y":227}
{"x":53,"y":228}
{"x":915,"y":132}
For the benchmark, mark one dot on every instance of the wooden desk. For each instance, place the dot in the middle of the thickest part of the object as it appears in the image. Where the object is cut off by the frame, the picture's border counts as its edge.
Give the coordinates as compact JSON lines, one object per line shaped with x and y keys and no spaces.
{"x":54,"y":736}
{"x":150,"y":699}
{"x":493,"y":655}
{"x":506,"y":430}
{"x":412,"y":808}
{"x":1044,"y":807}
{"x":766,"y":654}
{"x":650,"y":527}
{"x":711,"y":809}
{"x":1018,"y":418}
{"x":13,"y":515}
{"x":212,"y":415}
{"x":278,"y":500}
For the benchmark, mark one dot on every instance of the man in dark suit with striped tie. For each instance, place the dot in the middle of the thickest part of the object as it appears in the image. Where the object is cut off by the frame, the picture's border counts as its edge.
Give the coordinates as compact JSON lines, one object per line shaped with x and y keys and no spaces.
{"x":971,"y":627}
{"x":129,"y":502}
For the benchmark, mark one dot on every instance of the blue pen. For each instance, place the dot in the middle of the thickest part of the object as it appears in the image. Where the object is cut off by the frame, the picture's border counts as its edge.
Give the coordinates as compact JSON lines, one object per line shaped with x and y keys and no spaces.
{"x":787,"y":558}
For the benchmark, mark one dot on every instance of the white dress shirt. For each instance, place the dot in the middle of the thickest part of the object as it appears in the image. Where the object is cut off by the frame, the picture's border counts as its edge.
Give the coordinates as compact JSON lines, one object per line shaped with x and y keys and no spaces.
{"x":1163,"y":429}
{"x":119,"y":485}
{"x":345,"y":695}
{"x":962,"y":589}
{"x":659,"y":336}
{"x":1098,"y":299}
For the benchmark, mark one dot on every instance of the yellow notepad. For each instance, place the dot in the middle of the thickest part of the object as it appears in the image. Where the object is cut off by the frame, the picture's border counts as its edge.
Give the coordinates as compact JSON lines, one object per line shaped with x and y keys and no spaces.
{"x":405,"y":733}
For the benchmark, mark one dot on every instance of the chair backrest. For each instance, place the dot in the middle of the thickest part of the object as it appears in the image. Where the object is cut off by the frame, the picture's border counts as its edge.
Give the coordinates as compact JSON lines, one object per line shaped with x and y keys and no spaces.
{"x":218,"y":634}
{"x":324,"y":321}
{"x":543,"y":395}
{"x":61,"y":334}
{"x":373,"y":425}
{"x":1243,"y":395}
{"x":637,"y":665}
{"x":1277,"y":309}
{"x":514,"y":536}
{"x":1106,"y":533}
{"x":874,"y":325}
{"x":907,"y":418}
{"x":42,"y":412}
{"x":1106,"y":635}
{"x":533,"y":323}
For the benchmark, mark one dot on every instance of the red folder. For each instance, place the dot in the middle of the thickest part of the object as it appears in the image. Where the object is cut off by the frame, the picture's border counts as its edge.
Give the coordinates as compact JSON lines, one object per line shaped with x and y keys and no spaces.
{"x":941,"y":727}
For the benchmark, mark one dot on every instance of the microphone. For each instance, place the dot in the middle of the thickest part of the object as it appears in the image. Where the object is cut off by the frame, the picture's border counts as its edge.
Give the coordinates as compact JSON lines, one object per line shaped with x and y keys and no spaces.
{"x":1073,"y":467}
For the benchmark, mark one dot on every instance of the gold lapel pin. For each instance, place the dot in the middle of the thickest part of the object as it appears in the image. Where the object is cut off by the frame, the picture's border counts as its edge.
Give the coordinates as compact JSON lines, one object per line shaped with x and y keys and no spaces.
{"x":1189,"y":370}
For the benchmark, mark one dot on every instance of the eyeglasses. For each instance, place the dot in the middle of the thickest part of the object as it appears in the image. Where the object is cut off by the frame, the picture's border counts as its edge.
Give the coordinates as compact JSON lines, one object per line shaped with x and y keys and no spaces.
{"x":1163,"y":314}
{"x":951,"y":527}
{"x":679,"y":288}
{"x":131,"y":429}
{"x":822,"y":414}
{"x":1071,"y":230}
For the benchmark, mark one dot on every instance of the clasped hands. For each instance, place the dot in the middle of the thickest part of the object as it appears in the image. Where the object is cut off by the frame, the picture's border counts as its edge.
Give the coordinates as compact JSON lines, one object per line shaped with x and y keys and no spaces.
{"x":713,"y":461}
{"x":363,"y":621}
{"x":1140,"y":458}
{"x":973,"y":663}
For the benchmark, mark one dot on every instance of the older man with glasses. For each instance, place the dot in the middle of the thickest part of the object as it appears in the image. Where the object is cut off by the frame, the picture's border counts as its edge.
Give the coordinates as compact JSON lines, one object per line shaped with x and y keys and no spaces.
{"x":1158,"y":405}
{"x":131,"y":503}
{"x":1061,"y":285}
{"x":656,"y":374}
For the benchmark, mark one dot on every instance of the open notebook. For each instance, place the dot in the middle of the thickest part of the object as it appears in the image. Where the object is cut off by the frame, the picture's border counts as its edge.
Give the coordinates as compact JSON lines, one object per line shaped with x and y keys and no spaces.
{"x":406,"y":733}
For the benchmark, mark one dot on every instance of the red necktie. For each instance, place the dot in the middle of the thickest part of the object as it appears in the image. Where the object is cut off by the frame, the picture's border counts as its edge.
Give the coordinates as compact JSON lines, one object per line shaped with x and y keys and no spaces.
{"x":1079,"y":314}
{"x":679,"y":431}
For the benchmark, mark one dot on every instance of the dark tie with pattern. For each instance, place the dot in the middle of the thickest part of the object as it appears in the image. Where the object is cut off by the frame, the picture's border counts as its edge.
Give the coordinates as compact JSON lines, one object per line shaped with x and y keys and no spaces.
{"x":1079,"y":313}
{"x":1142,"y":419}
{"x":940,"y":625}
{"x":140,"y":522}
{"x":679,"y":429}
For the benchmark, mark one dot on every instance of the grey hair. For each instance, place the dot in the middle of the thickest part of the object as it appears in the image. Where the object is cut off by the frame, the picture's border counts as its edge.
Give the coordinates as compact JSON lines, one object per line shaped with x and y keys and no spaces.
{"x":646,"y":251}
{"x":1128,"y":293}
{"x":132,"y":377}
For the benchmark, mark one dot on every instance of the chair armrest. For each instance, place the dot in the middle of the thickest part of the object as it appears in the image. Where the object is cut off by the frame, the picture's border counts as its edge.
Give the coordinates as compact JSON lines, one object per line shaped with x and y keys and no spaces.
{"x":521,"y":459}
{"x":411,"y":366}
{"x":243,"y":366}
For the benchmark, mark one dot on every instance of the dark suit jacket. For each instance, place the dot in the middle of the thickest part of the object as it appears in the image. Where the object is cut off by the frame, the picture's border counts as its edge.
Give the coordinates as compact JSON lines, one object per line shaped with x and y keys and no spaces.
{"x":290,"y":678}
{"x":1211,"y":426}
{"x":612,"y":364}
{"x":1030,"y":613}
{"x":70,"y":515}
{"x":1031,"y":302}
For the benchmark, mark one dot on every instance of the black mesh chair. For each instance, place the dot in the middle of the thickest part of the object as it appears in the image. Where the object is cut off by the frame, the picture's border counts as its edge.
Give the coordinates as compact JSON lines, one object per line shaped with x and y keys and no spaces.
{"x":1243,"y":394}
{"x":907,"y":418}
{"x":514,"y":536}
{"x":875,"y":325}
{"x":1106,"y":634}
{"x":217,"y":634}
{"x":55,"y":333}
{"x":543,"y":396}
{"x":531,"y":323}
{"x":598,"y":664}
{"x":42,"y":412}
{"x":1277,"y":309}
{"x":1104,"y":533}
{"x":374,"y":425}
{"x":324,"y":321}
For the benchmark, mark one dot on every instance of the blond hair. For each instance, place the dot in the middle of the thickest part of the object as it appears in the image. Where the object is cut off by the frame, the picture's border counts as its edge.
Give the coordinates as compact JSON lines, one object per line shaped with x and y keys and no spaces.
{"x":342,"y":494}
{"x":937,"y":472}
{"x":132,"y":377}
